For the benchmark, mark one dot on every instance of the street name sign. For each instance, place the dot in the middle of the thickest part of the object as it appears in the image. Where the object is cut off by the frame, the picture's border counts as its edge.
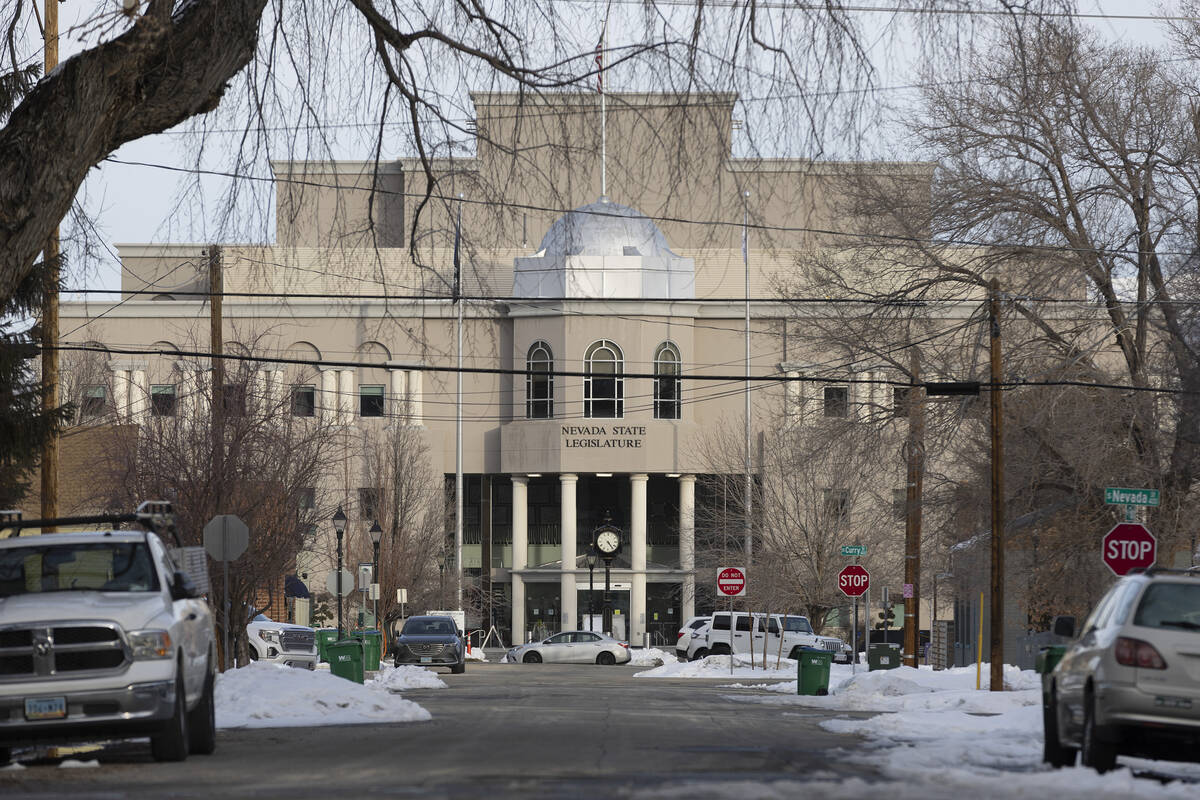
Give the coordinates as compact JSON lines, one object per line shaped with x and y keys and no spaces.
{"x":849,"y":550}
{"x":731,"y":581}
{"x":1128,"y":546}
{"x":1116,"y":496}
{"x":854,"y":580}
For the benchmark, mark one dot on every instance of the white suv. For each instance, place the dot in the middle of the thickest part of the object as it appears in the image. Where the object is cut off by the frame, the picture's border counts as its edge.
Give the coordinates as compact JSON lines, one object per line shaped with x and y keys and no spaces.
{"x":794,"y":630}
{"x":691,"y":638}
{"x":293,"y":645}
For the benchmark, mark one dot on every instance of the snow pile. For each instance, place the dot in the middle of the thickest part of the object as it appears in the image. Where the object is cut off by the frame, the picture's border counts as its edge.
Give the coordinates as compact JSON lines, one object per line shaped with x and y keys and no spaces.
{"x":653,"y":657}
{"x":976,"y":742}
{"x":719,"y":667}
{"x":265,"y":695}
{"x":476,"y":654}
{"x":405,"y":676}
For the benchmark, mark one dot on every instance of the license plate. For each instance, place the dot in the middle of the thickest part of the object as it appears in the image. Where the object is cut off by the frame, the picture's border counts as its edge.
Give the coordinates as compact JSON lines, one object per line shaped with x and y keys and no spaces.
{"x":426,"y":659}
{"x":1173,"y":702}
{"x":45,"y":708}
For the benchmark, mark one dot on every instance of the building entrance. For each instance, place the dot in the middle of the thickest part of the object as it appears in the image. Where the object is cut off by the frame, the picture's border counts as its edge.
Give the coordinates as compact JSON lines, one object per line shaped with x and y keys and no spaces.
{"x":591,"y":609}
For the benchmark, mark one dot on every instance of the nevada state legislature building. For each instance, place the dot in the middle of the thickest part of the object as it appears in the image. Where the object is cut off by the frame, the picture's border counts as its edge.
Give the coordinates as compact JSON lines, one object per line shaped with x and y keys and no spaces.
{"x":568,"y":294}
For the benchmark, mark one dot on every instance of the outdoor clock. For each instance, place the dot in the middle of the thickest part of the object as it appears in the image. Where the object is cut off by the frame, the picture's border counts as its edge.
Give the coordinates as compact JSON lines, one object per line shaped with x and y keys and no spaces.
{"x":608,"y":542}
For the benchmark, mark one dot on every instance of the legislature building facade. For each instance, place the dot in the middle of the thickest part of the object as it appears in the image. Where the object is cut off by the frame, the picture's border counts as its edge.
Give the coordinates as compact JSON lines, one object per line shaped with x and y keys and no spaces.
{"x":603,"y":336}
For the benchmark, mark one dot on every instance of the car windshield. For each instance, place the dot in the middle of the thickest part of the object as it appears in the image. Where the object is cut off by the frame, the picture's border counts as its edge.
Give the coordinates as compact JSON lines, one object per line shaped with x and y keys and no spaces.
{"x":1170,"y":605}
{"x":93,"y":566}
{"x":428,"y":627}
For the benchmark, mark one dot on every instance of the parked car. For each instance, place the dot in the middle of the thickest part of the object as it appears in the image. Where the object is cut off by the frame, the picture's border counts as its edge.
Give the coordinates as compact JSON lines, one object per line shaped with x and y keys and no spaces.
{"x":431,"y":641}
{"x":572,"y":647}
{"x":1130,"y":683}
{"x":103,"y":636}
{"x":794,"y":630}
{"x":281,"y":642}
{"x":690,"y":638}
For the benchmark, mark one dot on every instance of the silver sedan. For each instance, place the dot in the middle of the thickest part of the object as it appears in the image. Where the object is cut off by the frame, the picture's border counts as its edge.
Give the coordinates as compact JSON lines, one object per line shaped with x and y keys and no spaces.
{"x":572,"y":647}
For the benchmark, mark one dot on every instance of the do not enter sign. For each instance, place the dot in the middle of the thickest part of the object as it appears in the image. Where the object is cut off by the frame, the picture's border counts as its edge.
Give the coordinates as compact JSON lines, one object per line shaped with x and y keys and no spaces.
{"x":854,"y":580}
{"x":731,"y":581}
{"x":1129,"y":546}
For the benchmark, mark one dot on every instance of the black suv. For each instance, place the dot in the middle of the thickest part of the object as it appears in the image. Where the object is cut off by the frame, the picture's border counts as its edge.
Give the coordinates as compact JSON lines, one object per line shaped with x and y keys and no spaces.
{"x":431,"y":641}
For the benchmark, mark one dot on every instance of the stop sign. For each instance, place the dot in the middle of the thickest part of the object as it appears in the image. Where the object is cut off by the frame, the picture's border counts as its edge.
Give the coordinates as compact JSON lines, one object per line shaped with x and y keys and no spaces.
{"x":854,"y":580}
{"x":1129,"y":546}
{"x":731,"y":581}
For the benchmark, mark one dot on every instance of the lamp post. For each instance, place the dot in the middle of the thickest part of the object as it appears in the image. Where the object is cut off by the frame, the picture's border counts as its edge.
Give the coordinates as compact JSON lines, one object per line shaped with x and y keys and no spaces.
{"x":590,"y":560}
{"x":339,"y":527}
{"x":376,"y":534}
{"x":442,"y":579}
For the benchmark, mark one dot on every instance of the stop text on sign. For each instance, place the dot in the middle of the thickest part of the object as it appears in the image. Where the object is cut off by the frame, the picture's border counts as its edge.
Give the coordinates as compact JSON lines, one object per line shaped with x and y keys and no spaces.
{"x":731,"y":581}
{"x":1128,"y":546}
{"x":854,"y":580}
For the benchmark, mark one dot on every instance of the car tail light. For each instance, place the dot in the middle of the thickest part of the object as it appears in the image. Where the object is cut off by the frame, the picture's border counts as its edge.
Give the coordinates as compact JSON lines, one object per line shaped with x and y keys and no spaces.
{"x":624,"y":644}
{"x":1136,"y":653}
{"x":680,"y":636}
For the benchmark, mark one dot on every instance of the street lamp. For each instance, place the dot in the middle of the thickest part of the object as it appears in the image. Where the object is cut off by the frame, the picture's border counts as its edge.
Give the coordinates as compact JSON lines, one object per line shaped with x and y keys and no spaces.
{"x":339,"y":527}
{"x":376,"y":534}
{"x":590,"y":560}
{"x":442,"y":578}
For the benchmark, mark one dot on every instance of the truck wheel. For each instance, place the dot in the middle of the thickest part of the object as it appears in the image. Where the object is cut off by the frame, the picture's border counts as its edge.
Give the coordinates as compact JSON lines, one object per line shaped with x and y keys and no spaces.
{"x":202,"y":722}
{"x":458,"y":669}
{"x":172,"y":743}
{"x":1054,"y":752}
{"x":699,"y":654}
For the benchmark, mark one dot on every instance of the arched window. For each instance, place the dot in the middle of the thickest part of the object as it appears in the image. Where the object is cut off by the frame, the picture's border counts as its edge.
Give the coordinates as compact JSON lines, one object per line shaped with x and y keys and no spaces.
{"x":539,"y":382}
{"x":666,"y":381}
{"x":603,"y":386}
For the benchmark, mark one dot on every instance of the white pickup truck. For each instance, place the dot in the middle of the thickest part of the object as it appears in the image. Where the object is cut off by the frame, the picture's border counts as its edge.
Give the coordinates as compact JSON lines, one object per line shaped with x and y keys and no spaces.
{"x":102,"y":636}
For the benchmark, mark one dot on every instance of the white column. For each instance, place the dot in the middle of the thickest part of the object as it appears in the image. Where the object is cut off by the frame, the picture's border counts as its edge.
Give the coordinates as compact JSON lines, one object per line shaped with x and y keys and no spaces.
{"x":414,"y":396}
{"x":346,"y":397}
{"x":687,"y":544}
{"x":570,"y":590}
{"x":279,"y":400}
{"x":520,"y":553}
{"x":120,"y":384}
{"x":139,"y":395}
{"x":258,"y":400}
{"x":398,"y":402}
{"x":328,"y":400}
{"x":637,"y":557}
{"x":792,"y":400}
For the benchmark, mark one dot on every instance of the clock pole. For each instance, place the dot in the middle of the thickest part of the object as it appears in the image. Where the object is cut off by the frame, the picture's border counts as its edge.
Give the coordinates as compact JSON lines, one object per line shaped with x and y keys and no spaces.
{"x":606,"y":540}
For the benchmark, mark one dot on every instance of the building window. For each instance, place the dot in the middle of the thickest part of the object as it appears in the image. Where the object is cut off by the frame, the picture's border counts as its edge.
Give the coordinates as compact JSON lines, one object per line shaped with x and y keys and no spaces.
{"x":370,"y":401}
{"x":233,"y":399}
{"x":307,"y":498}
{"x":603,"y":386}
{"x":304,"y":401}
{"x":539,"y":382}
{"x":837,"y":506}
{"x":95,"y":398}
{"x":162,"y":400}
{"x":900,"y":401}
{"x":368,"y":504}
{"x":666,"y":382}
{"x":837,"y":401}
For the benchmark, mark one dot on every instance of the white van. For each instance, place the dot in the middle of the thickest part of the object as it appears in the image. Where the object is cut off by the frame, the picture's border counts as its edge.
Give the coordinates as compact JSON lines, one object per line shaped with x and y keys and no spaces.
{"x":795,"y":631}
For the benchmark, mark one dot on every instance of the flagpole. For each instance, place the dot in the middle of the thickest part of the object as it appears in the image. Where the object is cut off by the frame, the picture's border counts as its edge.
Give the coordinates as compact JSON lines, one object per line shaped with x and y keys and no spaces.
{"x":749,"y":493}
{"x":603,"y":115}
{"x":458,"y":421}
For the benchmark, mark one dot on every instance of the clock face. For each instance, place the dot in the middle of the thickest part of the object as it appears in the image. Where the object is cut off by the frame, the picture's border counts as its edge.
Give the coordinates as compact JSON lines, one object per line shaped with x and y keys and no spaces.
{"x":608,"y":542}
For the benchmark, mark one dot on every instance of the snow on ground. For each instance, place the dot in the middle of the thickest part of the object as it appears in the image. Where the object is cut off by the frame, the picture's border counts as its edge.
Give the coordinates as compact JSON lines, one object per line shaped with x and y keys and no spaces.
{"x":264,"y":695}
{"x":940,"y":737}
{"x":651,"y":658}
{"x":405,"y":676}
{"x":719,"y":667}
{"x":476,"y":654}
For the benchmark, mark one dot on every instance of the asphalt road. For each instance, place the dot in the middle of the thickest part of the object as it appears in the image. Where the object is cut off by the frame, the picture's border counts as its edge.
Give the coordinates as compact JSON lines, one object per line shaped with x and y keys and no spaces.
{"x":500,"y":730}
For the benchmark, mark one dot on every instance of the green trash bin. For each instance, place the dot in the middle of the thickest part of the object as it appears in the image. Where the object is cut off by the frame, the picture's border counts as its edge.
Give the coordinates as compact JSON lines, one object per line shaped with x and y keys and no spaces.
{"x":346,"y":659}
{"x":372,"y":648}
{"x":325,"y":637}
{"x":812,"y":671}
{"x":883,"y":655}
{"x":1048,"y":658}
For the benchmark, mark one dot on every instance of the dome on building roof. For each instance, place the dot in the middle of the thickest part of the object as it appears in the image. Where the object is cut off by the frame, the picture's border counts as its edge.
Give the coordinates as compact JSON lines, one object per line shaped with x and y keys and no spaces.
{"x":604,"y":228}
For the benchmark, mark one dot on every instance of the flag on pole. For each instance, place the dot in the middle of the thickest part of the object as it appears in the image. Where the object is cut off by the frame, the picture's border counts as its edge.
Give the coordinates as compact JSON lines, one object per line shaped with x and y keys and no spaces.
{"x":600,"y":64}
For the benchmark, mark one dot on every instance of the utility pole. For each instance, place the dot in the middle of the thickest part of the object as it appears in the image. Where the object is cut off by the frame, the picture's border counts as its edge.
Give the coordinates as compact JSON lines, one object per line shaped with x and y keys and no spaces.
{"x":997,"y":607}
{"x":49,"y":331}
{"x":914,"y":456}
{"x":216,"y":340}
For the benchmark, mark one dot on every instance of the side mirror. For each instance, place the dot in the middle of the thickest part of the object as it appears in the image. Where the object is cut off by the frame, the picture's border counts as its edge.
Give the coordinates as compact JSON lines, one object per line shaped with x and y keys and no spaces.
{"x":182,"y":587}
{"x":1064,"y":626}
